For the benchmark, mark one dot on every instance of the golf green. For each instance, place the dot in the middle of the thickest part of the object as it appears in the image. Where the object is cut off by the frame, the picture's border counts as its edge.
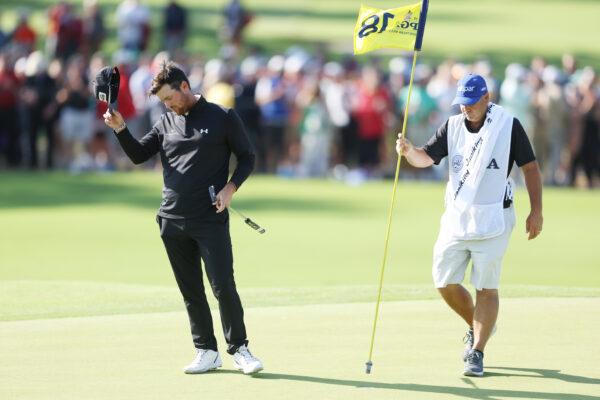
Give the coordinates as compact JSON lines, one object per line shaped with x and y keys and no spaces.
{"x":543,"y":349}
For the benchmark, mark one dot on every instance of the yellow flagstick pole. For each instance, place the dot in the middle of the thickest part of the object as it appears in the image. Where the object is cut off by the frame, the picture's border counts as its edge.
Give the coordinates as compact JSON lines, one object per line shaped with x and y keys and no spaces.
{"x":369,"y":363}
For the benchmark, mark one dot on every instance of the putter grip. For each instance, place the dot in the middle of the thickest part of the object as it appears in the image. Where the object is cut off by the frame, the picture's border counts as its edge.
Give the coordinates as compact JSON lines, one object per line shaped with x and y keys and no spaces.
{"x":211,"y":192}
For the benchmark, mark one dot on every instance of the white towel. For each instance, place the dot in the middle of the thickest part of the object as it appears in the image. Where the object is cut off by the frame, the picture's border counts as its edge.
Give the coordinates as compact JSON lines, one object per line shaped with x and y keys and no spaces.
{"x":478,"y":157}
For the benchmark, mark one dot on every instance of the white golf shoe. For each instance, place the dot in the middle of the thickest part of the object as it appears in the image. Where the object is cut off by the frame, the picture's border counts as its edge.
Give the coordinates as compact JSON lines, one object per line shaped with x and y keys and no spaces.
{"x":205,"y":360}
{"x":244,"y":361}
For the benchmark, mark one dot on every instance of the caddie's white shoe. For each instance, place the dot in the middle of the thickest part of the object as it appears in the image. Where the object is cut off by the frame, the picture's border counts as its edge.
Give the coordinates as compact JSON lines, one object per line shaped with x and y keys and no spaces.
{"x":244,"y":361}
{"x":205,"y":360}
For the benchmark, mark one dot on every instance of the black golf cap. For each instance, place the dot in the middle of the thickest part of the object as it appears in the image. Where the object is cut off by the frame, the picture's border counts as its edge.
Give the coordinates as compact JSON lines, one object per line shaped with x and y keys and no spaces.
{"x":106,"y":84}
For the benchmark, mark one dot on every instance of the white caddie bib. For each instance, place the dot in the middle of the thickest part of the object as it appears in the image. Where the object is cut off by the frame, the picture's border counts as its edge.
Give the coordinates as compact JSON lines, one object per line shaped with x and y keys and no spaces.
{"x":478,"y":168}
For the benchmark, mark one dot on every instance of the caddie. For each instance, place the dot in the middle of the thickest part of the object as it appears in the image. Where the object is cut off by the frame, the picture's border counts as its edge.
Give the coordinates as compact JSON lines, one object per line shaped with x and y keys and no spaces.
{"x":482,"y":144}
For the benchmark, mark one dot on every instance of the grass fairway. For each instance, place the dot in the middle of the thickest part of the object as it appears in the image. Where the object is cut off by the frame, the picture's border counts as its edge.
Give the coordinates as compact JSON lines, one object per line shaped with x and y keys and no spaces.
{"x":90,"y":309}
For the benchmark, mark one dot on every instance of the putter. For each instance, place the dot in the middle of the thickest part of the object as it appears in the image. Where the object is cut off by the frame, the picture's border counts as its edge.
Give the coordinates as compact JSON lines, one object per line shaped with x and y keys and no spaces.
{"x":248,"y":221}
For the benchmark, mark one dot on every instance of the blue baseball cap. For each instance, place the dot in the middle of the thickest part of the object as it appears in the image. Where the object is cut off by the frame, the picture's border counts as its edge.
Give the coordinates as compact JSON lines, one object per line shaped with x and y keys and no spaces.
{"x":469,"y":90}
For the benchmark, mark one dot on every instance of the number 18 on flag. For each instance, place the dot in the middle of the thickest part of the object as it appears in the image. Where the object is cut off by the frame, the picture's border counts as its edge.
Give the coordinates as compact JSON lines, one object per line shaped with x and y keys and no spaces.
{"x":400,"y":28}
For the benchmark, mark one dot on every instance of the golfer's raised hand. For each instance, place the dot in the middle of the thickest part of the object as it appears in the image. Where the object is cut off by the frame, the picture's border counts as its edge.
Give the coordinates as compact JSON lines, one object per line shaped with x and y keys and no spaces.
{"x":403,"y":145}
{"x":533,"y":225}
{"x":224,"y":197}
{"x":113,"y":119}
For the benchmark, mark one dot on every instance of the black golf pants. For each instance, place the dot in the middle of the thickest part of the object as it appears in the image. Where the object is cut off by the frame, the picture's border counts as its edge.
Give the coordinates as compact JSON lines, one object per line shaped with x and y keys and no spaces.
{"x":189,"y":242}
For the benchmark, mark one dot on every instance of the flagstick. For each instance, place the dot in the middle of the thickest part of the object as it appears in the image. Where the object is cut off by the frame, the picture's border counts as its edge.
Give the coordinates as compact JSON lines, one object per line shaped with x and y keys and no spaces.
{"x":369,"y":363}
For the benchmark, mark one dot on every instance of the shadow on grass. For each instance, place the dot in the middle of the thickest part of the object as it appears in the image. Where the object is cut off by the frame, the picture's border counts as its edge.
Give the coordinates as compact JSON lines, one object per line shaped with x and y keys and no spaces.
{"x":542,"y":373}
{"x":23,"y":190}
{"x":472,"y":393}
{"x":30,"y":190}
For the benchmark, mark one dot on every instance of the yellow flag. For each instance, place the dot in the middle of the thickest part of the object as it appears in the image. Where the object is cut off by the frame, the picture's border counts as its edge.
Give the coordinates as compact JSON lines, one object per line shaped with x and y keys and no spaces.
{"x":395,"y":28}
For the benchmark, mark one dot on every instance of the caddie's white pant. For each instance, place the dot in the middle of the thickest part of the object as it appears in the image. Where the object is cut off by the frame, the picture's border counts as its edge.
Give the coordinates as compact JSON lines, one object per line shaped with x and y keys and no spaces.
{"x":451,"y":257}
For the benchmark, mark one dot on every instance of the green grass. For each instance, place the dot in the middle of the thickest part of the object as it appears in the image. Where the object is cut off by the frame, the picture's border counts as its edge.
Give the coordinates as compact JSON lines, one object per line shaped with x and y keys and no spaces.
{"x":102,"y":228}
{"x":90,"y":308}
{"x":504,"y":31}
{"x":89,"y":245}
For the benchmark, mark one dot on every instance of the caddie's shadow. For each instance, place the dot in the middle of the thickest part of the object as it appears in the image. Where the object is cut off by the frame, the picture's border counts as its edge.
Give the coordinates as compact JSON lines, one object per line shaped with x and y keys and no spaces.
{"x":541,"y":373}
{"x":472,"y":393}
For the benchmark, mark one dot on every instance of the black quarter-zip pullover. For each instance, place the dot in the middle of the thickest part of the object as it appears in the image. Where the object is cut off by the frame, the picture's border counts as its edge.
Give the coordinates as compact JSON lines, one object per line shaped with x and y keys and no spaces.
{"x":195,"y":150}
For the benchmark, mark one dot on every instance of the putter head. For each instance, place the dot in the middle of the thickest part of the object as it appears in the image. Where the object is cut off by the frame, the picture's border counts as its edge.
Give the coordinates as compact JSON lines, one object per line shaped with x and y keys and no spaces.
{"x":254,"y":225}
{"x":369,"y":365}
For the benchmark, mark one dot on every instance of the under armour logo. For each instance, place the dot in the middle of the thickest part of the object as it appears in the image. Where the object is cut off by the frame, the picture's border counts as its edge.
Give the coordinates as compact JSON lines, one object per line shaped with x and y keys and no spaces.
{"x":493,"y":164}
{"x":203,"y":131}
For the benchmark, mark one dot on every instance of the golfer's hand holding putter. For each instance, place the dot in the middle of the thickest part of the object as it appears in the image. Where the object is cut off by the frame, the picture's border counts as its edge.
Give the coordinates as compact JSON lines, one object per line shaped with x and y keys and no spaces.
{"x":224,"y":197}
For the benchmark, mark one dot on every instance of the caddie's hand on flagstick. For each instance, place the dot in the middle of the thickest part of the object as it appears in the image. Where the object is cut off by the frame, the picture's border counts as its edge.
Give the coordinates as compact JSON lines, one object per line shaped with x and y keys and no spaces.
{"x":403,"y":145}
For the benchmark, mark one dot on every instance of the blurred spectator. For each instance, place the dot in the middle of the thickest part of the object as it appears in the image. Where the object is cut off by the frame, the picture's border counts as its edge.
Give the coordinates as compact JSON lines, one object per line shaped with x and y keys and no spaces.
{"x":51,"y":112}
{"x":9,"y":128}
{"x":37,"y":96}
{"x":442,"y":88}
{"x":337,"y":92}
{"x":516,"y":95}
{"x":217,"y":83}
{"x":23,"y":36}
{"x":175,"y":25}
{"x":69,"y":31}
{"x":422,"y":114}
{"x":372,"y":110}
{"x":270,"y":97}
{"x":125,"y":61}
{"x":538,"y":64}
{"x":245,"y":104}
{"x":139,"y":86}
{"x":196,"y":76}
{"x":76,"y":117}
{"x":133,"y":25}
{"x":553,"y":118}
{"x":55,"y":14}
{"x":4,"y":37}
{"x":586,"y":144}
{"x":316,"y":132}
{"x":93,"y":27}
{"x":569,"y":65}
{"x":236,"y":19}
{"x":422,"y":107}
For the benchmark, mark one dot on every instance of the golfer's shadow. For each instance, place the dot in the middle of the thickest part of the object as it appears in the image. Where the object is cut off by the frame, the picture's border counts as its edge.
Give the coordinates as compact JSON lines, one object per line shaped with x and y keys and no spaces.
{"x":473,"y":393}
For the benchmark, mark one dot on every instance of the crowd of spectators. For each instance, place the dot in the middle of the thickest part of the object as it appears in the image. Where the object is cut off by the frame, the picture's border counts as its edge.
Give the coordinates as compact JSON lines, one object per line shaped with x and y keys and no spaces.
{"x":307,"y":116}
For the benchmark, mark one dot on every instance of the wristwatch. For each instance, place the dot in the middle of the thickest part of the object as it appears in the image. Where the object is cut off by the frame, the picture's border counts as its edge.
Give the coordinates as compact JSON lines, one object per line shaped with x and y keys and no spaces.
{"x":121,"y":127}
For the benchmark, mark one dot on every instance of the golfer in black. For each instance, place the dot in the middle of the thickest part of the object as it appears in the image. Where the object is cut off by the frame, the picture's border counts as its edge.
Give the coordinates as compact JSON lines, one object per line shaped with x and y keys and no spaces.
{"x":195,"y":141}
